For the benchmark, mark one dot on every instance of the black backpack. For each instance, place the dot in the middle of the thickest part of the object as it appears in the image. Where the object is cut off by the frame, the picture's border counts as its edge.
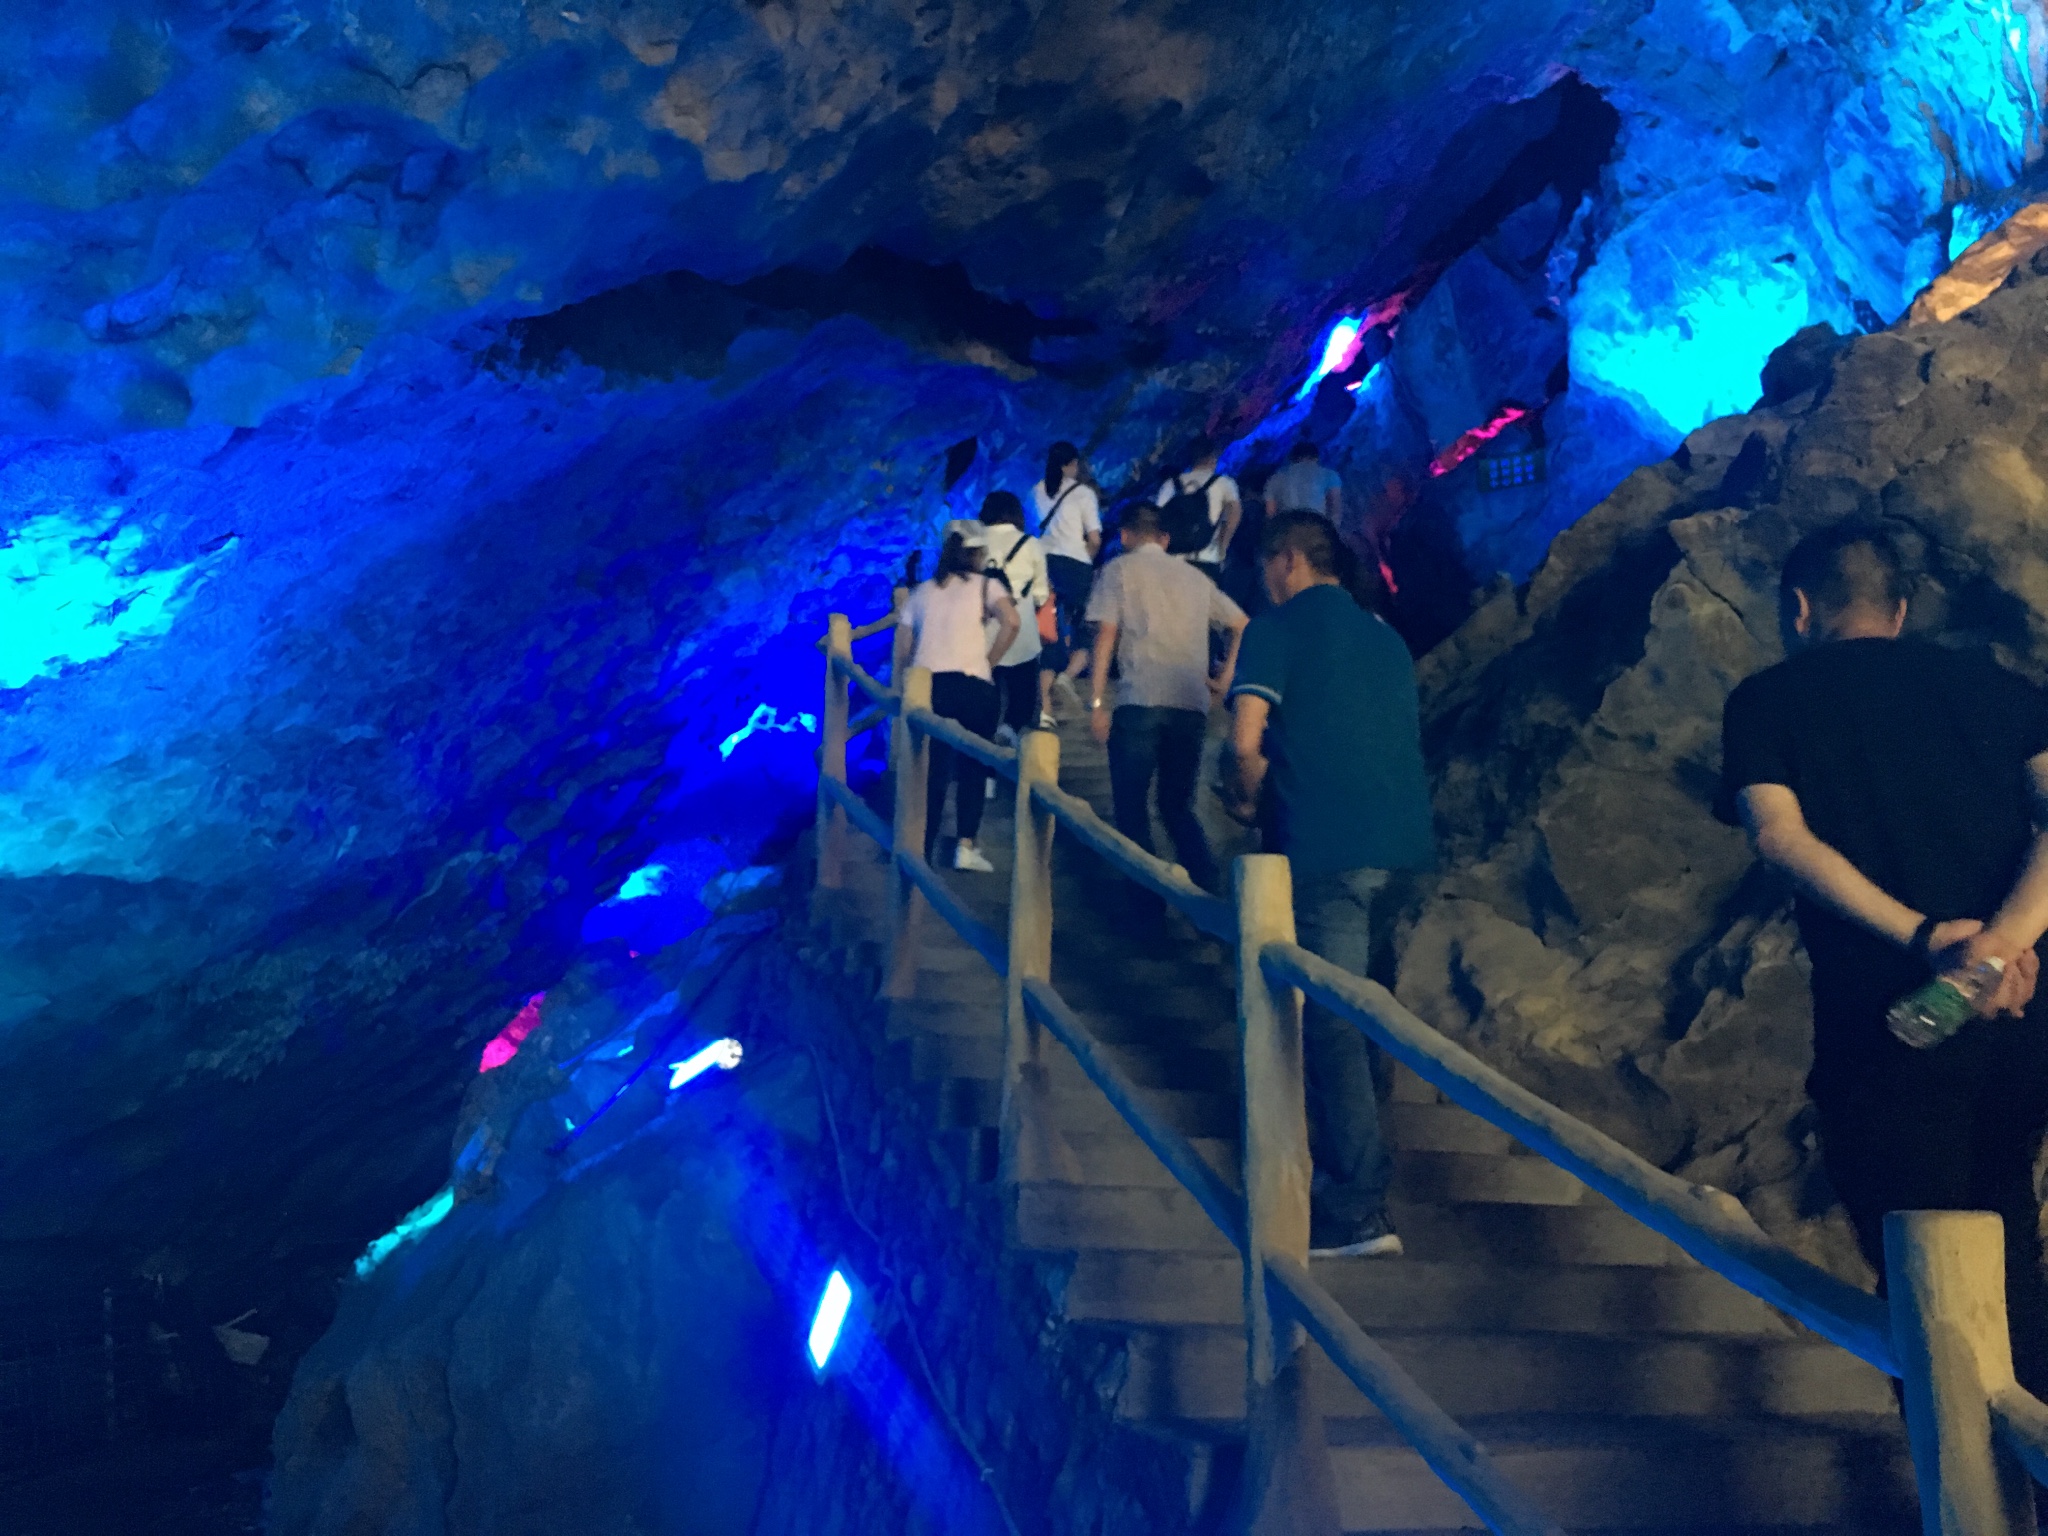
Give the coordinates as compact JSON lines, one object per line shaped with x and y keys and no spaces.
{"x":1185,"y":517}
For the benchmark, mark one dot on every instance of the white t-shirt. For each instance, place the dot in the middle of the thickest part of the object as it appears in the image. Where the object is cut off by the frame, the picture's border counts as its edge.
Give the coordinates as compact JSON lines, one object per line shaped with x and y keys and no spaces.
{"x":1080,"y":514}
{"x":1024,"y":565}
{"x":1222,"y":492}
{"x":948,"y":623}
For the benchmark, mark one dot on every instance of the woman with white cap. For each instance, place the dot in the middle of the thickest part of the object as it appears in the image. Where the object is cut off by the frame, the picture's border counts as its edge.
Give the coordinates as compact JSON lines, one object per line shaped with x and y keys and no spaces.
{"x":948,"y":615}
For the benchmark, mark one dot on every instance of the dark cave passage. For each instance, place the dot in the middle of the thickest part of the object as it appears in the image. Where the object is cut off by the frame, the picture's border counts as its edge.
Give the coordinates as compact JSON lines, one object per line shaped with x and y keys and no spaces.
{"x":682,"y":324}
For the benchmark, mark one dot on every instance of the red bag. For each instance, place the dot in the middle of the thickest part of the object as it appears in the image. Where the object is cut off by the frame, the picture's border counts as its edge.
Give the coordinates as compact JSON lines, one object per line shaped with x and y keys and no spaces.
{"x":1049,"y":621}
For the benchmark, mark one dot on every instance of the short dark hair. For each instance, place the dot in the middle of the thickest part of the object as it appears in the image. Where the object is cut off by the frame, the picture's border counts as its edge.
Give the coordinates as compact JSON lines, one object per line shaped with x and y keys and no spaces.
{"x":1853,"y":563}
{"x":1145,"y":521}
{"x":1201,"y":446}
{"x":1057,"y":458}
{"x":1002,"y":509}
{"x":1311,"y":533}
{"x":1305,"y":449}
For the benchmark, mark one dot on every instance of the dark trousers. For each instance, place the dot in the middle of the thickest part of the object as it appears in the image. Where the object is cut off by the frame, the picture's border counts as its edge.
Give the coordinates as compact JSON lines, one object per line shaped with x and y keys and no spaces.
{"x":1144,"y":742}
{"x":1949,"y":1136}
{"x":1018,"y":686}
{"x":1072,"y":581}
{"x":1333,"y":918}
{"x":972,"y":702}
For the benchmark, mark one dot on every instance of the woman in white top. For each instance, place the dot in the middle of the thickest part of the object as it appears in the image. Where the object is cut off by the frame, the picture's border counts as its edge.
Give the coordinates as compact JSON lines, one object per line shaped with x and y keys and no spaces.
{"x":1070,"y":528}
{"x":949,"y":615}
{"x":1020,"y":682}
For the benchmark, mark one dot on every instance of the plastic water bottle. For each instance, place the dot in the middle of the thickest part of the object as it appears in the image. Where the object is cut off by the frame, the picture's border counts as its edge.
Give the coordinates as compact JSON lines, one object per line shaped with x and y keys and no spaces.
{"x":1931,"y":1014}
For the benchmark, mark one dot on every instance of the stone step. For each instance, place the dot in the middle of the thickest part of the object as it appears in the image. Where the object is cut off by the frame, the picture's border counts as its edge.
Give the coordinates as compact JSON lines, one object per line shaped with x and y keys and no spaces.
{"x":1483,"y":1177}
{"x":1715,"y":1478}
{"x":975,"y":986}
{"x":1180,"y":1289}
{"x":1072,"y":1218}
{"x":1189,"y":1112}
{"x":935,"y":1056}
{"x":1453,"y":1176}
{"x":1443,"y":1128}
{"x":1410,"y":1089}
{"x":915,"y":1016}
{"x":1118,"y":1157}
{"x":1092,"y":992}
{"x":1195,"y":1377}
{"x":1591,"y":1232}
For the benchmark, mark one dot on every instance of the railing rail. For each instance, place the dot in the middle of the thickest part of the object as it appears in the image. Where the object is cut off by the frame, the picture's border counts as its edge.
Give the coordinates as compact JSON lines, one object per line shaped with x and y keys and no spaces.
{"x":1978,"y":1438}
{"x":1707,"y":1223}
{"x":1209,"y":913}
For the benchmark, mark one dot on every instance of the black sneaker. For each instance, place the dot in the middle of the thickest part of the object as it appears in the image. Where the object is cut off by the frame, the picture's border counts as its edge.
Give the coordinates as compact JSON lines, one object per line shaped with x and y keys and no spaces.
{"x":1374,"y":1239}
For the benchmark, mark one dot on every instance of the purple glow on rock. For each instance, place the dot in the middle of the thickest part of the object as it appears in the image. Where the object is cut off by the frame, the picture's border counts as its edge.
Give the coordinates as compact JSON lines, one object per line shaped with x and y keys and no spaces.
{"x":505,"y":1044}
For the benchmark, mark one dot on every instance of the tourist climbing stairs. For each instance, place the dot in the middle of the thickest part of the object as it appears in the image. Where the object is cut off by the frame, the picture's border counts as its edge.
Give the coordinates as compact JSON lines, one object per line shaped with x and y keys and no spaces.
{"x":1616,"y":1381}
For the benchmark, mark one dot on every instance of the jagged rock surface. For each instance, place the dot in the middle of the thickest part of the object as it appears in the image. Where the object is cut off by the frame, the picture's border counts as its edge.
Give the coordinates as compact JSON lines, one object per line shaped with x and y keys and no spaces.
{"x":1601,"y":936}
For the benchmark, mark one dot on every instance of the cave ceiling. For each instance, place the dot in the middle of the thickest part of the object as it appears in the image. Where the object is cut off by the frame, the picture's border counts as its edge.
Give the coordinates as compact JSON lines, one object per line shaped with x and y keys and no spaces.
{"x":430,"y":431}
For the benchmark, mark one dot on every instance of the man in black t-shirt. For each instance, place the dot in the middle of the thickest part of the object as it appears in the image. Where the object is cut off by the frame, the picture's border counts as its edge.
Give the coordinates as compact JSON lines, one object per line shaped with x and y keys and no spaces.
{"x":1900,"y":784}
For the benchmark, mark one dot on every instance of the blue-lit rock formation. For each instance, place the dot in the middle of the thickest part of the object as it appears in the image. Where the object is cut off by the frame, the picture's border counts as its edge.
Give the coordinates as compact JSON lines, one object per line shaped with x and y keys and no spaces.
{"x":611,"y":1333}
{"x":429,"y":434}
{"x":1600,"y":936}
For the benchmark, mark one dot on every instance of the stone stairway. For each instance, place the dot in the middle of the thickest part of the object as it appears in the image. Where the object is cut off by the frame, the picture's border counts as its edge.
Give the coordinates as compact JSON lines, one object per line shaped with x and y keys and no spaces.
{"x":1621,"y":1384}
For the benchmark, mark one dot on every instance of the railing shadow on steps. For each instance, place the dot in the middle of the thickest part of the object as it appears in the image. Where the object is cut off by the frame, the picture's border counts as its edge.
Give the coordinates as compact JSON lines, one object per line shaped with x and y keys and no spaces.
{"x":1978,"y":1439}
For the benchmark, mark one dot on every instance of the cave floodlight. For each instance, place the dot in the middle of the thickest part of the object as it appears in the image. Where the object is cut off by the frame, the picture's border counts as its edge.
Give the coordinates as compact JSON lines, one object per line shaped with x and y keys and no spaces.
{"x":1340,"y":347}
{"x":765,"y":718}
{"x":647,"y":880}
{"x":723,"y":1054}
{"x":829,"y":1321}
{"x":419,"y":1220}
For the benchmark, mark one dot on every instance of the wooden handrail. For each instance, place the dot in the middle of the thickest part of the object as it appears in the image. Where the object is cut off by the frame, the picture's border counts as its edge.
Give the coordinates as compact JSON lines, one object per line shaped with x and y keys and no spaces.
{"x":1209,"y":913}
{"x":872,"y":627}
{"x":2022,"y":1422}
{"x":1002,"y":760}
{"x":1219,"y":1202}
{"x":858,"y":810}
{"x":1711,"y":1226}
{"x":866,"y":720}
{"x":1451,"y":1453}
{"x":1944,"y":1328}
{"x":984,"y":940}
{"x":855,"y":673}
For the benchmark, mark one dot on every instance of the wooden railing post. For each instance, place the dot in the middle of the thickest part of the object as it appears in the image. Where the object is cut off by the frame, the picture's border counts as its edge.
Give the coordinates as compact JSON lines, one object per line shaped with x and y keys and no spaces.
{"x":831,"y":838}
{"x":1945,"y":1272}
{"x":902,"y":645}
{"x":912,"y":753}
{"x":1289,"y":1488}
{"x":1031,"y":1149}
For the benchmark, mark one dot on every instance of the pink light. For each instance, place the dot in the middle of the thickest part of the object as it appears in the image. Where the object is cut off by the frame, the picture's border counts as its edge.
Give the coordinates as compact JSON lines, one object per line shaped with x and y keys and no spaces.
{"x":1469,"y":443}
{"x":505,"y":1044}
{"x":1387,"y":575}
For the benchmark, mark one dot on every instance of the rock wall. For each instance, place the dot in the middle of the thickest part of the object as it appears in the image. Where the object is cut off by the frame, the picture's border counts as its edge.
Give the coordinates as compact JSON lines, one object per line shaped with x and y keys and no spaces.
{"x":610,"y":1335}
{"x":1600,"y":936}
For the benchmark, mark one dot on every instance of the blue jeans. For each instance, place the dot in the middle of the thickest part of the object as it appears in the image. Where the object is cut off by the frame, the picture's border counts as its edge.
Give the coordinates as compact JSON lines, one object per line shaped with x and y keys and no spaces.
{"x":1333,"y":919}
{"x":1072,"y":580}
{"x":1145,"y":740}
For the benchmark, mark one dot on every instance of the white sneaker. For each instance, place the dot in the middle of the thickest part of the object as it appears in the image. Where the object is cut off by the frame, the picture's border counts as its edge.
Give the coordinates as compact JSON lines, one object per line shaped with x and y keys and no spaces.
{"x":1046,"y":721}
{"x":967,"y":856}
{"x":1386,"y":1246}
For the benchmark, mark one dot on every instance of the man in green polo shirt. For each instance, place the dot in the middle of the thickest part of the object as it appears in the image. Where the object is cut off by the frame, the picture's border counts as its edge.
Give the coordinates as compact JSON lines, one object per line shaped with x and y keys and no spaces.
{"x":1328,"y":745}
